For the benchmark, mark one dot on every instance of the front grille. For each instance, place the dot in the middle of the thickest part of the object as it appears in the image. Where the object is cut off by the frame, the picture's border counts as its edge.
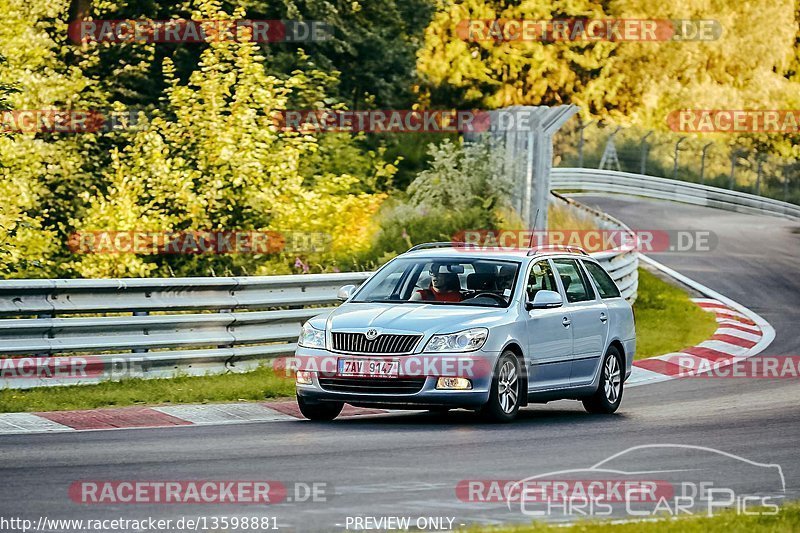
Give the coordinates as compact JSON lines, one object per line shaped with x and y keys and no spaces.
{"x":382,"y":344}
{"x":372,"y":385}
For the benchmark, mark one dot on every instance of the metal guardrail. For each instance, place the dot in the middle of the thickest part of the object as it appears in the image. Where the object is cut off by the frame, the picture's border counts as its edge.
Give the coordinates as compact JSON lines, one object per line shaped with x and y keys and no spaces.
{"x":157,"y":327}
{"x":153,"y":327}
{"x":596,"y":180}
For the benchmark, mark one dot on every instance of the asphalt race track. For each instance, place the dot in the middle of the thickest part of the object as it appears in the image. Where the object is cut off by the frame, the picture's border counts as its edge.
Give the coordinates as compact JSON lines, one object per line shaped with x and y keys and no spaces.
{"x":410,"y":464}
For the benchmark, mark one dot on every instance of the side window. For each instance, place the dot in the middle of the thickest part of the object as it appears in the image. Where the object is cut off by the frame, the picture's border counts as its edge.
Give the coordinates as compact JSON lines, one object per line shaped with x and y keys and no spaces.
{"x":574,"y":280}
{"x":604,"y":283}
{"x":541,"y":278}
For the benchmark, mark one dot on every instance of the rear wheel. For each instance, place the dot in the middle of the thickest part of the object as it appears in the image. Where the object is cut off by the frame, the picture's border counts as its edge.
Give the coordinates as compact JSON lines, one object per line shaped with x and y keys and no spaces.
{"x":608,"y":396}
{"x":503,"y":403}
{"x":319,"y":411}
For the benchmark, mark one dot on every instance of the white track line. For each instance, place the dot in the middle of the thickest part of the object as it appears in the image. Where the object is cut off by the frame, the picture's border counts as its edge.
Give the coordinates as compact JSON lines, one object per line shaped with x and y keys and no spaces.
{"x":728,"y":312}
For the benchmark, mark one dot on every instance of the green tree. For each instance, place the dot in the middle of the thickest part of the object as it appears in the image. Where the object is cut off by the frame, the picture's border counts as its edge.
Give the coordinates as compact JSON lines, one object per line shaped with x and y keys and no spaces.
{"x":493,"y":74}
{"x":41,"y":173}
{"x":213,"y":159}
{"x":372,"y":46}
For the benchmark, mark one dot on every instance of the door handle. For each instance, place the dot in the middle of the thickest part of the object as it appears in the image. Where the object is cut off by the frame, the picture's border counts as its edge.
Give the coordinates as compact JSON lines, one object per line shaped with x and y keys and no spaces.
{"x":566,"y":322}
{"x":603,"y":318}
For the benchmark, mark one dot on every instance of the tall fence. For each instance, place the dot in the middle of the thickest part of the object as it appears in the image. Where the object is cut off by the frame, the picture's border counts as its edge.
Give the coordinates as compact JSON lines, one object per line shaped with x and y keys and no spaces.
{"x":593,"y":180}
{"x":703,"y":159}
{"x":524,"y":137}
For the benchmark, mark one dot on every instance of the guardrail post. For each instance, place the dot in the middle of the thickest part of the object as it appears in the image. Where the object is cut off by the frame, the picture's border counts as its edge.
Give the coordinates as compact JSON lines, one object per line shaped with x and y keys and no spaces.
{"x":140,"y":313}
{"x":528,"y":191}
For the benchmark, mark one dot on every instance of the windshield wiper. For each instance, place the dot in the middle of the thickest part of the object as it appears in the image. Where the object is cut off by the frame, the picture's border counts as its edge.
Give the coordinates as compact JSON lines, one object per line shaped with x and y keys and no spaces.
{"x":385,"y":301}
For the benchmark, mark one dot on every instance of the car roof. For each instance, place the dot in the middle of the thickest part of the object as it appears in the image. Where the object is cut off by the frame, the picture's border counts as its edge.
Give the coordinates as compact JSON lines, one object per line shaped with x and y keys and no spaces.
{"x":517,"y":254}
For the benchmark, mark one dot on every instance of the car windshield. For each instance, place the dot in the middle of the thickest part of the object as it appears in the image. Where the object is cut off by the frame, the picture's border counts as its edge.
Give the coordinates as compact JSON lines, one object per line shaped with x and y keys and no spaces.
{"x":467,"y":281}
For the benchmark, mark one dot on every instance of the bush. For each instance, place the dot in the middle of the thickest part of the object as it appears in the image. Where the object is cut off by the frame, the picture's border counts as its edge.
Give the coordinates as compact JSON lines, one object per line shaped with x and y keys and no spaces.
{"x":402,"y":226}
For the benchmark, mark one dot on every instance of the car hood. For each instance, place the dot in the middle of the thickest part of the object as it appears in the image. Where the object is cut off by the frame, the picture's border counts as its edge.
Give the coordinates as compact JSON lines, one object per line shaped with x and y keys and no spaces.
{"x":412,"y":317}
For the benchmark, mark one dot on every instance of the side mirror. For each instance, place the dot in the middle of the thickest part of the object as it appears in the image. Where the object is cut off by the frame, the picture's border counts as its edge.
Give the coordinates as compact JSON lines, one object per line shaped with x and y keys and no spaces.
{"x":545,"y":300}
{"x":345,"y":292}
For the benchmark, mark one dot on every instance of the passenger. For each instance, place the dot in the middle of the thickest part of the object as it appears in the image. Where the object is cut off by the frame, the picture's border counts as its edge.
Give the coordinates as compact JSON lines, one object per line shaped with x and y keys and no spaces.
{"x":444,"y":287}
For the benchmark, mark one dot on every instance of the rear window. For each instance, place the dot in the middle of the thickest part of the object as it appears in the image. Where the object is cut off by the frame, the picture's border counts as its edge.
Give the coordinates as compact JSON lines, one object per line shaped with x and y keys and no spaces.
{"x":575,"y":282}
{"x":604,"y":283}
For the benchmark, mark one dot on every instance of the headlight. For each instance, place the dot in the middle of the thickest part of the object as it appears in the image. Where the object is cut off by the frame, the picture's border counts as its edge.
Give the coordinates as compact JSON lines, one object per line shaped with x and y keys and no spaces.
{"x":463,"y":341}
{"x":311,"y":337}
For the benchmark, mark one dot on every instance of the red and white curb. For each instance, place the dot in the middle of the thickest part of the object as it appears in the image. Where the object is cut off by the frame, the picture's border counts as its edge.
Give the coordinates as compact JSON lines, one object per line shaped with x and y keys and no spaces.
{"x":158,"y":417}
{"x":741,"y":333}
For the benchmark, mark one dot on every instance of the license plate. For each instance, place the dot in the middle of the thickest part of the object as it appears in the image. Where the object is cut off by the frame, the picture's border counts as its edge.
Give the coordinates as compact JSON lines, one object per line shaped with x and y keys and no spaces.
{"x":368,"y":368}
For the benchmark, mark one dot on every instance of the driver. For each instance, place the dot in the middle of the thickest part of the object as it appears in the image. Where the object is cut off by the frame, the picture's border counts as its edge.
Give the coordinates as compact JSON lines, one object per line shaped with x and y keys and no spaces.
{"x":444,"y":287}
{"x":505,"y":278}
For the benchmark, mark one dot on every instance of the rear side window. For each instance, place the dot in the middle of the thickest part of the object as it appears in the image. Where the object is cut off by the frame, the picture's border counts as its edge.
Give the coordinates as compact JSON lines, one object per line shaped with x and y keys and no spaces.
{"x":604,"y":283}
{"x":576,"y":285}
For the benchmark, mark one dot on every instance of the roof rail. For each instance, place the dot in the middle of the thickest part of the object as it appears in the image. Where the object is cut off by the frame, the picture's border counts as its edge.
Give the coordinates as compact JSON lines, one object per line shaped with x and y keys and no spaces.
{"x":440,"y":244}
{"x":553,"y":248}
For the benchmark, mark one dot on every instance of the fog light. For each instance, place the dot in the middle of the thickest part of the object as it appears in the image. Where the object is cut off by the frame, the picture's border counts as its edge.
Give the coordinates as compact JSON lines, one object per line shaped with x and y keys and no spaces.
{"x":454,"y":383}
{"x":303,"y":377}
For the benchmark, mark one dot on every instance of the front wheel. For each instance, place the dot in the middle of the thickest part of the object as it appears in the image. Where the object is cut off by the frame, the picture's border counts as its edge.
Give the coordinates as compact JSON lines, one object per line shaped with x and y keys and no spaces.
{"x":503,"y":403}
{"x":608,"y":396}
{"x":322,"y":411}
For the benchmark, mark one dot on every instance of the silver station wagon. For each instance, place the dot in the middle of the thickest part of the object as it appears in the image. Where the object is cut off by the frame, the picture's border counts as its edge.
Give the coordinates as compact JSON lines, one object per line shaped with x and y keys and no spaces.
{"x":444,"y":326}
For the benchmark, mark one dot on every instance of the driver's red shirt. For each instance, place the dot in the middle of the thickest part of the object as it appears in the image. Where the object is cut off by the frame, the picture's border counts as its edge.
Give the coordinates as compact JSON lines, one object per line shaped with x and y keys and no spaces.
{"x":433,"y":294}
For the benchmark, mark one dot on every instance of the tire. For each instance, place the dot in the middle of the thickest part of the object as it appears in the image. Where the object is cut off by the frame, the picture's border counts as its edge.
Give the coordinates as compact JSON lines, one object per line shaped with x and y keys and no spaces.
{"x":321,"y":412}
{"x":608,"y":396}
{"x":504,"y":395}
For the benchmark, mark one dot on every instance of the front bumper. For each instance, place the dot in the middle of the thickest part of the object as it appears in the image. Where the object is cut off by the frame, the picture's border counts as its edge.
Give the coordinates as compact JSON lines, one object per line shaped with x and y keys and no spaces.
{"x":423,"y":368}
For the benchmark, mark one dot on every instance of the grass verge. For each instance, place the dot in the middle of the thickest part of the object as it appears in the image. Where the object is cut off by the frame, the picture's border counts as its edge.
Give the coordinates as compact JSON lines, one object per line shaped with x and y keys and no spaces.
{"x":666,"y":321}
{"x":788,"y":519}
{"x":250,"y":386}
{"x":666,"y":318}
